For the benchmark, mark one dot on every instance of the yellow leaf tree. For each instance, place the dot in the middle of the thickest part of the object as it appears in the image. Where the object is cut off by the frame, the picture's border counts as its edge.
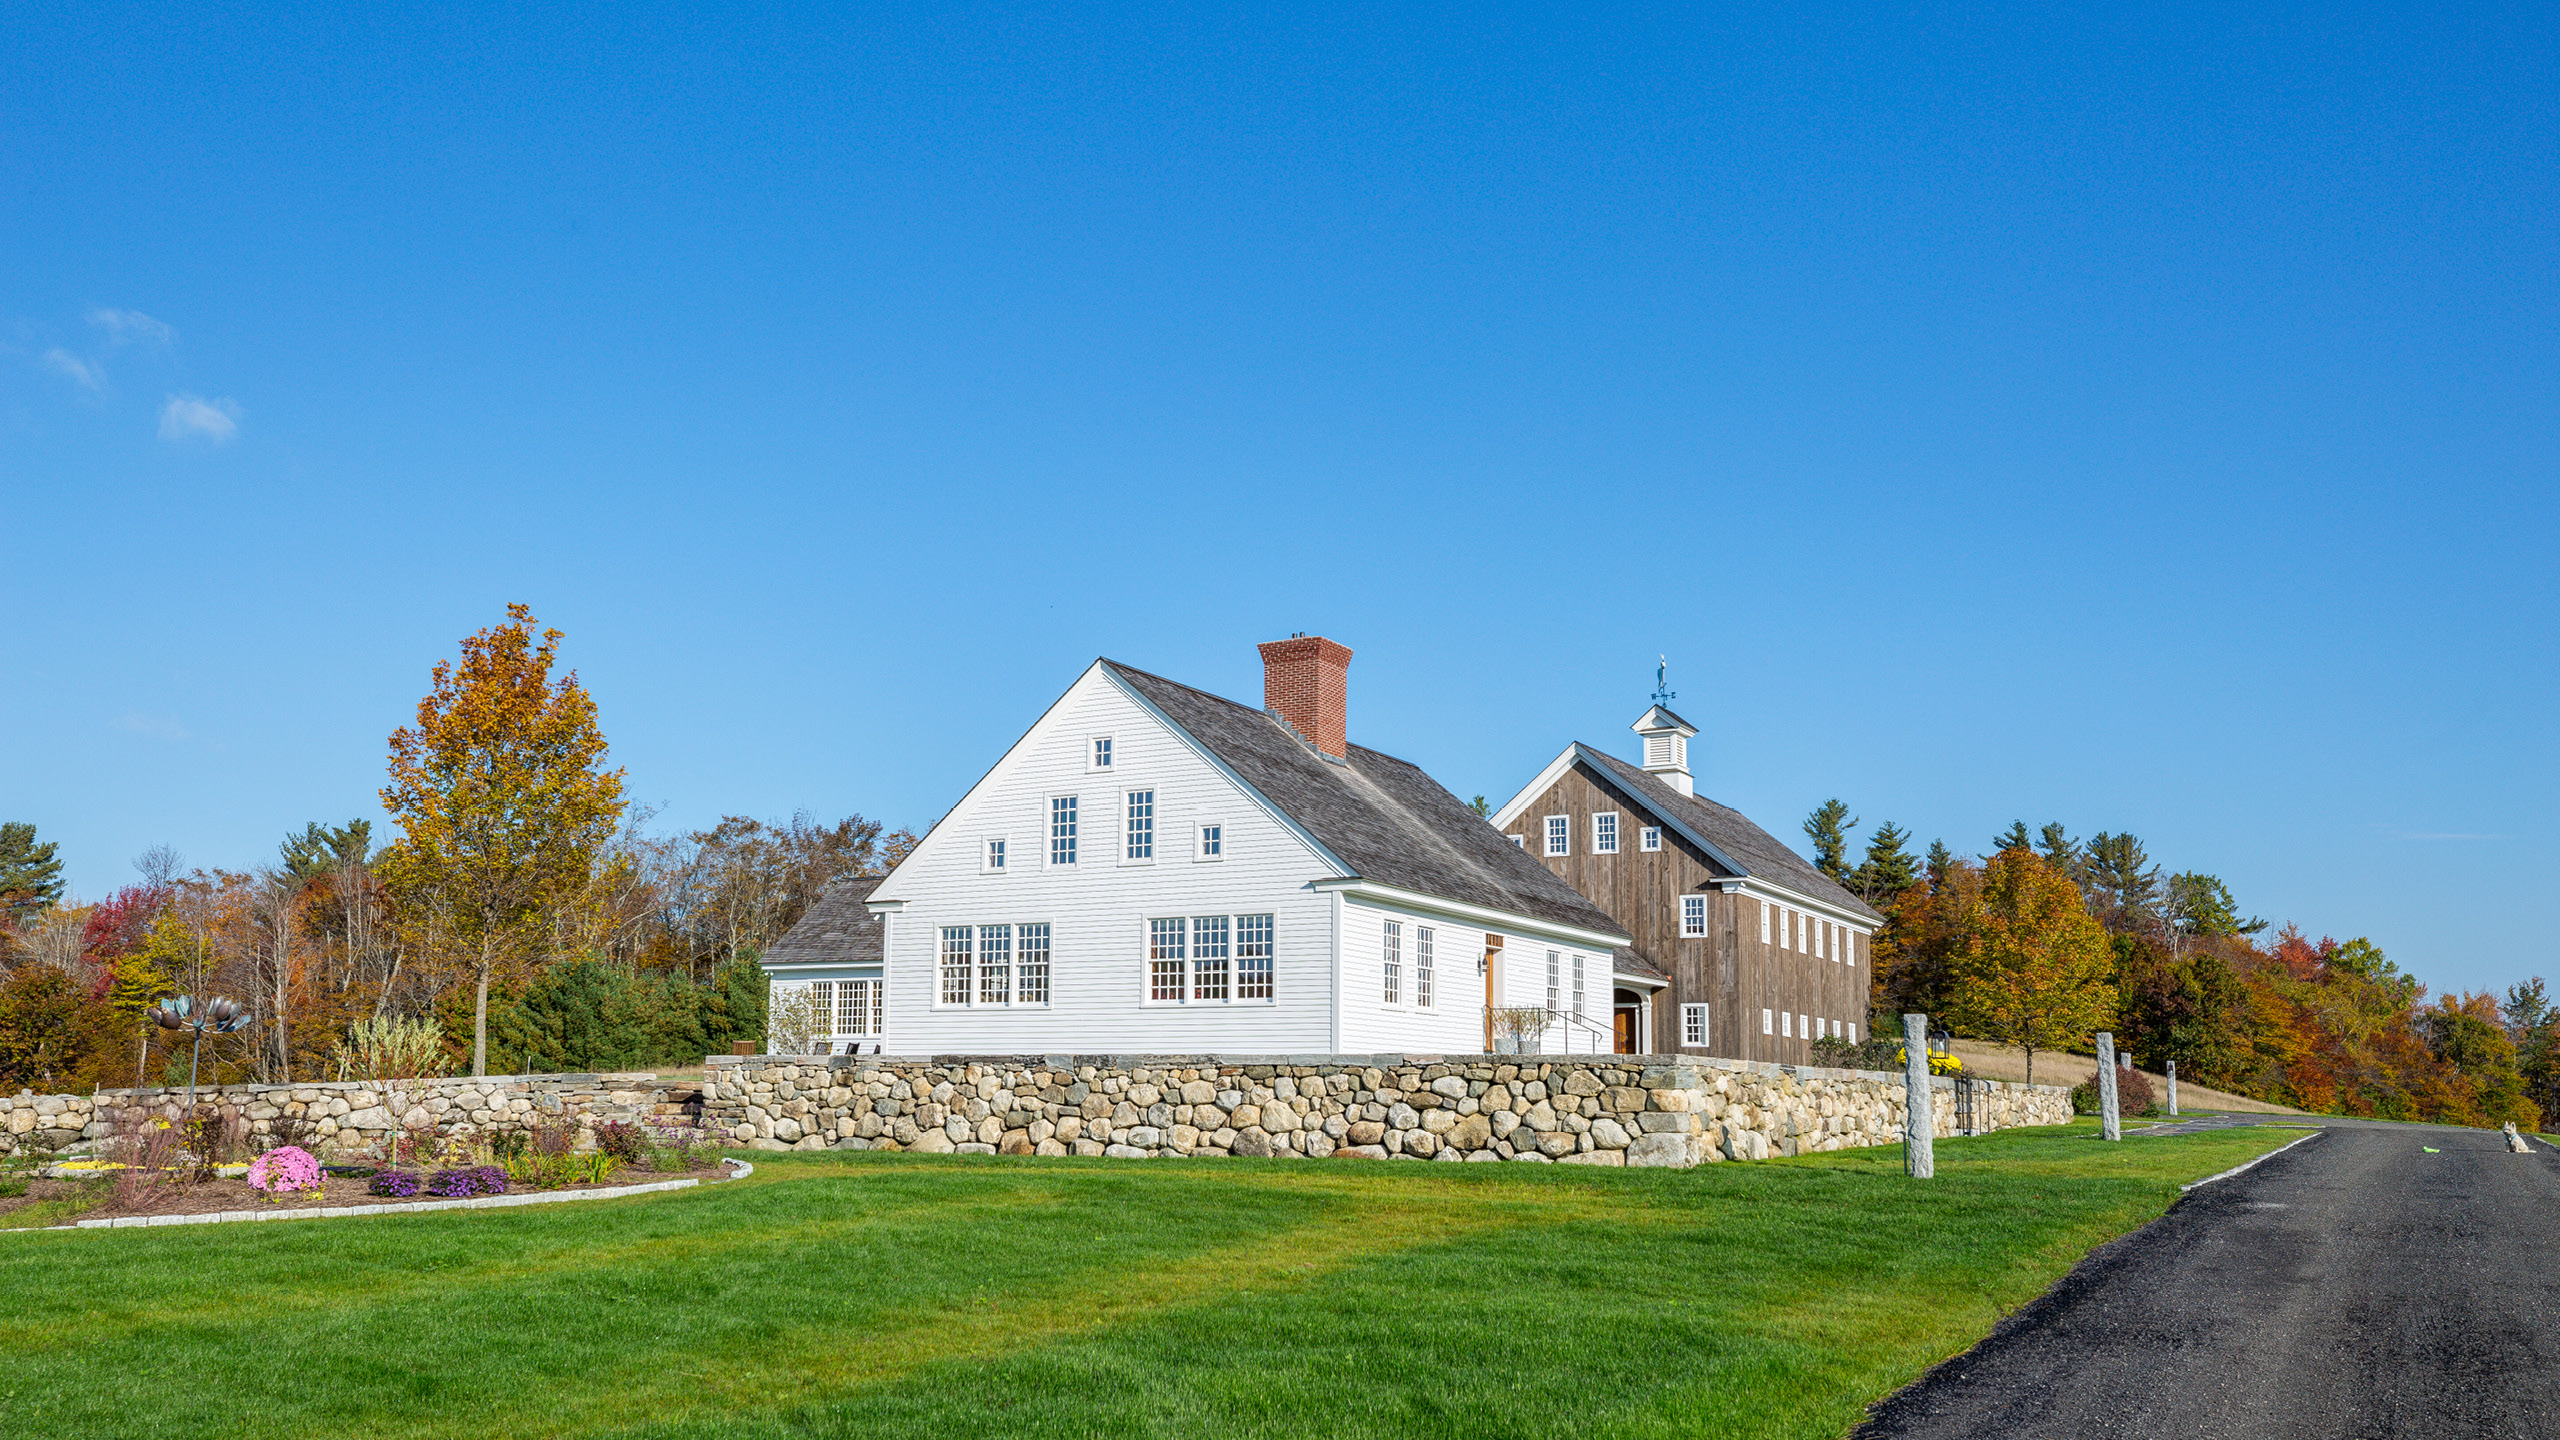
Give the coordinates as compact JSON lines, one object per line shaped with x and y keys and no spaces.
{"x":2035,"y":971}
{"x":502,"y":801}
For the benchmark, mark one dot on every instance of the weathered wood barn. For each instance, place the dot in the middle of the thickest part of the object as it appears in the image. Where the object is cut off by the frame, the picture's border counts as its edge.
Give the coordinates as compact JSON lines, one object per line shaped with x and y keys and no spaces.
{"x":1758,"y":952}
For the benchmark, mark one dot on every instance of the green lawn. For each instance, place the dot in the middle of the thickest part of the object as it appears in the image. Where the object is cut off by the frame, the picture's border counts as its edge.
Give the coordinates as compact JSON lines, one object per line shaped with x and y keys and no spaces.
{"x":895,"y":1295}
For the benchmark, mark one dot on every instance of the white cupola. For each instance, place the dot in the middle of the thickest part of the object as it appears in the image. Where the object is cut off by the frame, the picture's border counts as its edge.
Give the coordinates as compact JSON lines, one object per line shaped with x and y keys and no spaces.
{"x":1666,"y":747}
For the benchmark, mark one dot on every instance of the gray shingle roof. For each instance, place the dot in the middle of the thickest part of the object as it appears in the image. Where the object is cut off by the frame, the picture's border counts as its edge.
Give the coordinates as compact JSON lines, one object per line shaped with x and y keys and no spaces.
{"x":1382,"y":817}
{"x":1628,"y":960}
{"x":1752,"y":850}
{"x":837,"y":930}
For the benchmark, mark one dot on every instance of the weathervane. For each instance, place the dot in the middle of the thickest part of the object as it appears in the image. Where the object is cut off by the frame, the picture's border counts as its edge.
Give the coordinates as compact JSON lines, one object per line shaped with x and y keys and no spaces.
{"x":1663,"y":694}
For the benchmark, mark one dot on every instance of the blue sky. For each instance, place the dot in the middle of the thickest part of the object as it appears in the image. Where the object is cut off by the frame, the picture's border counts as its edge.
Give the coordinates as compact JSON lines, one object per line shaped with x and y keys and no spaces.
{"x":2146,"y":422}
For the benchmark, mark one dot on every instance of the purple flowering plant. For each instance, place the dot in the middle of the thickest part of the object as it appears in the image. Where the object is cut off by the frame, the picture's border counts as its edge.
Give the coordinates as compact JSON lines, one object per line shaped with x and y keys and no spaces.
{"x":477,"y":1180}
{"x":285,"y":1169}
{"x":398,"y":1184}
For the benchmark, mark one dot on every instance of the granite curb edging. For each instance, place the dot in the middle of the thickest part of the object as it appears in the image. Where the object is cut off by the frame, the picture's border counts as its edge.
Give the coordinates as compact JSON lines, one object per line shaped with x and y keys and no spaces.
{"x":405,"y":1207}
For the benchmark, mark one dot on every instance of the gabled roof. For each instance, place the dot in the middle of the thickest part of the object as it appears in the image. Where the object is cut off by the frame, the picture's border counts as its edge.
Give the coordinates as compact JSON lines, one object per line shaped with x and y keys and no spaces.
{"x":835,"y":930}
{"x":1381,"y":818}
{"x":1661,"y":718}
{"x":1728,"y":836}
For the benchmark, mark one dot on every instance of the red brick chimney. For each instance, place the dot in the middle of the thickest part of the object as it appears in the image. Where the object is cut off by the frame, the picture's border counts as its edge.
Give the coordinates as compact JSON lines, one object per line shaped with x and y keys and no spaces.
{"x":1303,"y":680}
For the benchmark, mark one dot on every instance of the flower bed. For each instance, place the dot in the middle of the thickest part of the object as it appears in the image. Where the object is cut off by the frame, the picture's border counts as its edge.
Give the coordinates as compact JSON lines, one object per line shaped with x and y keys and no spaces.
{"x":335,"y":1193}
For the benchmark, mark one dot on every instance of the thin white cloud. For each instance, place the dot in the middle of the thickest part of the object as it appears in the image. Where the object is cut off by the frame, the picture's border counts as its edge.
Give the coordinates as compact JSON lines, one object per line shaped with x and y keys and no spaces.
{"x":130,"y":325}
{"x":192,"y":417}
{"x":158,"y":727}
{"x":83,"y":374}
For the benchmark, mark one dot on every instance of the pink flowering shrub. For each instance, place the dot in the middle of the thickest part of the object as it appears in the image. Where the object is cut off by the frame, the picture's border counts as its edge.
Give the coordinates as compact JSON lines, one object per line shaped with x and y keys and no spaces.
{"x":284,"y":1169}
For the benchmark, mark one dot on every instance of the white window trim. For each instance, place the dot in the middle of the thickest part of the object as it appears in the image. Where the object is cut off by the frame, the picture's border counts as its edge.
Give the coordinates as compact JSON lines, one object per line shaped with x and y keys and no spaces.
{"x":1426,"y":963}
{"x":1190,"y":964}
{"x":1768,"y":1021}
{"x":1049,"y":834}
{"x":1693,"y":904}
{"x":1853,"y":1032}
{"x":1522,"y":841}
{"x":1391,"y":943}
{"x":1155,"y":829}
{"x":1765,"y":908}
{"x":1093,"y":746}
{"x":1200,"y":840}
{"x":1786,"y":1024}
{"x":1649,"y":838}
{"x":986,"y":855}
{"x":1612,"y":817}
{"x":1552,"y":828}
{"x":1703,"y":1029}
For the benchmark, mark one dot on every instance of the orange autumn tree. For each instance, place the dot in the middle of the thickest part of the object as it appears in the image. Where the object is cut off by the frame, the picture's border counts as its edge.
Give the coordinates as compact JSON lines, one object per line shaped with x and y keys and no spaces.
{"x":2035,"y":967}
{"x":502,"y":804}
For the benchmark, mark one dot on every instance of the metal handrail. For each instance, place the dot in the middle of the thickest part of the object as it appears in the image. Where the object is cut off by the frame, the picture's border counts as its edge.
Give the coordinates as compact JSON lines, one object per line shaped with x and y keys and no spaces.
{"x":1568,"y":1017}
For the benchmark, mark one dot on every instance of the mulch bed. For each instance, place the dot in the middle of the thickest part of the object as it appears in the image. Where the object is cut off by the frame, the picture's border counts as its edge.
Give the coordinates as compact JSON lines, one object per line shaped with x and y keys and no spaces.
{"x":337,"y":1192}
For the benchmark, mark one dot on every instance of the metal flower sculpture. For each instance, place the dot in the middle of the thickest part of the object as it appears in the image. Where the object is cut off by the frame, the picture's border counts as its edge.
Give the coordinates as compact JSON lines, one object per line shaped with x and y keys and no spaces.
{"x":222,"y":1016}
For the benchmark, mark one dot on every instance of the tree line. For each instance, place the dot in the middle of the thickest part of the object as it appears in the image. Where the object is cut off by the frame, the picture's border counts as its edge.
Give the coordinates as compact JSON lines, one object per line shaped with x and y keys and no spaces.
{"x":522,"y":911}
{"x":2046,"y":939}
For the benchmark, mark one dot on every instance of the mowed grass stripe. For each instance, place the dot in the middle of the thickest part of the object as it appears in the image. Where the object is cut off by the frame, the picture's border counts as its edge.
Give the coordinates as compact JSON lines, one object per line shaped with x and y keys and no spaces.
{"x":900,"y":1296}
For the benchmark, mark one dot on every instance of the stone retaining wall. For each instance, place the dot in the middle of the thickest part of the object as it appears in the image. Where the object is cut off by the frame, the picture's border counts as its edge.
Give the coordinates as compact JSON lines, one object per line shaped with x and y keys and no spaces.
{"x":357,"y":1118}
{"x":1590,"y":1110}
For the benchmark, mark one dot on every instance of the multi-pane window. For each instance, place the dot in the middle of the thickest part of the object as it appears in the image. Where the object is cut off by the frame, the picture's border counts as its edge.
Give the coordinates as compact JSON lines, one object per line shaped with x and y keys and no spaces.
{"x":995,"y":964}
{"x":1559,"y":834}
{"x":1520,"y":841}
{"x":1168,"y":959}
{"x":1031,"y":963}
{"x":995,"y":854}
{"x":1796,"y":928}
{"x":1821,"y":938}
{"x":1853,"y":1032}
{"x":1062,"y":830}
{"x":957,"y":943}
{"x":1604,"y":833}
{"x":1101,"y":752}
{"x":858,"y":1007}
{"x":1555,"y":979}
{"x":1848,"y":946}
{"x":1693,"y":1024}
{"x":1422,"y":964}
{"x":1209,"y":977}
{"x":1142,"y":825}
{"x":1207,"y":959}
{"x":822,"y":998}
{"x":1693,"y":916}
{"x":1578,"y":1009}
{"x":1213,"y":841}
{"x":1649,"y":838}
{"x":1787,"y":1023}
{"x":1253,"y":957}
{"x":1766,"y":1021}
{"x":1765,"y":907}
{"x":1391,"y":959}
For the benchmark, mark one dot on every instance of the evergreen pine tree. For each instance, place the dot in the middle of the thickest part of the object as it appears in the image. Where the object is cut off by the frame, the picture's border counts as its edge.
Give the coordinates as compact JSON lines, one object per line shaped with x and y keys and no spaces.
{"x":30,"y":872}
{"x":2122,"y":885}
{"x":320,"y":848}
{"x":2059,"y":850}
{"x":1941,"y":860}
{"x":1889,"y":869}
{"x":1829,"y":827}
{"x":2013,"y":838}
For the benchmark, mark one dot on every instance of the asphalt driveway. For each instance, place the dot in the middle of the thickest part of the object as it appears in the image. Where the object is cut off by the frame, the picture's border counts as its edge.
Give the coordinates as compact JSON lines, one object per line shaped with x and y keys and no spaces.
{"x":2354,"y":1286}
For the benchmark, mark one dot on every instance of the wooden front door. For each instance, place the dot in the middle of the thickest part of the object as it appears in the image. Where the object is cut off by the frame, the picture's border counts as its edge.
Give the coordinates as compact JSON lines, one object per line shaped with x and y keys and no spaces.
{"x":1626,"y":1031}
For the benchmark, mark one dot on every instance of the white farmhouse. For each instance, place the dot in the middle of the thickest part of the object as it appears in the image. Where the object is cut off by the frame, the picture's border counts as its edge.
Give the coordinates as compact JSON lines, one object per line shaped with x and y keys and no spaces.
{"x":1154,"y":869}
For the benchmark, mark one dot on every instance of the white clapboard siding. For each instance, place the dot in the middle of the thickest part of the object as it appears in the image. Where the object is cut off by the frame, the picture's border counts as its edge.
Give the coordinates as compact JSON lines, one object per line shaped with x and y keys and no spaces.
{"x":1098,"y":910}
